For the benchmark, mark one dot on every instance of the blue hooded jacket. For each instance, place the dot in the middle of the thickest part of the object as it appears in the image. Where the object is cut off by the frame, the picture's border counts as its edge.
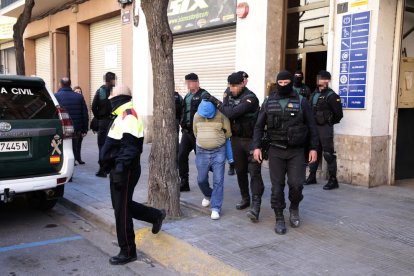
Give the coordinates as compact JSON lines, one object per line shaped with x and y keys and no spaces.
{"x":207,"y":109}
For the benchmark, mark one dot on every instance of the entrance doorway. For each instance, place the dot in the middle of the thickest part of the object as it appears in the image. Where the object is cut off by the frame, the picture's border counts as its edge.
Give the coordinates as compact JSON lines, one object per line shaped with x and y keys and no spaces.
{"x":404,"y":155}
{"x":306,"y":30}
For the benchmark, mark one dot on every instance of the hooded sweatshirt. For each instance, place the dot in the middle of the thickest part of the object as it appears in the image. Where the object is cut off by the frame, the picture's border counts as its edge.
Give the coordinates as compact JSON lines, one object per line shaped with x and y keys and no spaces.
{"x":211,"y":128}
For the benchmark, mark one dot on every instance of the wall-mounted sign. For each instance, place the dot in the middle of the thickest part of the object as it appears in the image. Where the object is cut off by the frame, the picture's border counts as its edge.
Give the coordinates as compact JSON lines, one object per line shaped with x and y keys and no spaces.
{"x":111,"y":56}
{"x":353,"y":59}
{"x":126,"y":16}
{"x":190,"y":15}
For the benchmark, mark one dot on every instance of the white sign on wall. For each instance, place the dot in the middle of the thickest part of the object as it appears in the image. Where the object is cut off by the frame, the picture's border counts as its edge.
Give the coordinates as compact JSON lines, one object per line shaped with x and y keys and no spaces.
{"x":111,"y":56}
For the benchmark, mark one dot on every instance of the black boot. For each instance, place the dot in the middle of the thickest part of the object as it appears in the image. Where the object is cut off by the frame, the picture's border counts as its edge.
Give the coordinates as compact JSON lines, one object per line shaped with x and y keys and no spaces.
{"x":294,"y":218}
{"x":253,"y":213}
{"x":122,"y":258}
{"x":184,"y":186}
{"x":243,"y":204}
{"x":311,"y":179}
{"x":280,"y":227}
{"x":101,"y":173}
{"x":156,"y":227}
{"x":231,"y":169}
{"x":332,"y":183}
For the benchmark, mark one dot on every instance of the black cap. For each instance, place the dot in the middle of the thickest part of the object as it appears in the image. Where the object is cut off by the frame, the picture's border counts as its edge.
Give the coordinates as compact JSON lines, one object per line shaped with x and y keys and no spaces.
{"x":324,"y":75}
{"x":284,"y":75}
{"x":235,"y":78}
{"x":244,"y":74}
{"x":191,"y":77}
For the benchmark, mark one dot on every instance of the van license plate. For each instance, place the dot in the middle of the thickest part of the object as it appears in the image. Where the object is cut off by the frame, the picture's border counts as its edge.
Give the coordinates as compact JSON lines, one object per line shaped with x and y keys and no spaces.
{"x":13,"y":146}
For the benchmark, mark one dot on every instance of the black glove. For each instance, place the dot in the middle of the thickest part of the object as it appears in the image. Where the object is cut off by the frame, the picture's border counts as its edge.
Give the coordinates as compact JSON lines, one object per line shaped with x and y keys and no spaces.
{"x":214,"y":100}
{"x":118,"y":177}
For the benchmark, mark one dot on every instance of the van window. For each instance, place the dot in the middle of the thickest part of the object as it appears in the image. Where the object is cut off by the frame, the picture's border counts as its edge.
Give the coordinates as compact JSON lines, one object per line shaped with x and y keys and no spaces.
{"x":25,"y":101}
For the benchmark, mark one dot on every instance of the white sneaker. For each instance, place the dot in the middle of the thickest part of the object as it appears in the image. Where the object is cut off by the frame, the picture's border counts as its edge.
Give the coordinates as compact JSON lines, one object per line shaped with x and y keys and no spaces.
{"x":205,"y":202}
{"x":215,"y":215}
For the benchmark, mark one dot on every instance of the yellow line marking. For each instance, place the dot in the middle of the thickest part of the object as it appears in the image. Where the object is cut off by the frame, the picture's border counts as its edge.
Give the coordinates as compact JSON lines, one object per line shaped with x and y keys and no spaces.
{"x":360,"y":3}
{"x":180,"y":256}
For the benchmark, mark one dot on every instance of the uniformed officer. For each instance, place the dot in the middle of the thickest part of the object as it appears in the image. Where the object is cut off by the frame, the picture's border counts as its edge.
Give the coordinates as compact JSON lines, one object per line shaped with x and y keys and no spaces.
{"x":327,"y":110}
{"x":242,"y":108}
{"x":288,"y":119}
{"x":121,"y":156}
{"x":188,"y":141}
{"x":299,"y":87}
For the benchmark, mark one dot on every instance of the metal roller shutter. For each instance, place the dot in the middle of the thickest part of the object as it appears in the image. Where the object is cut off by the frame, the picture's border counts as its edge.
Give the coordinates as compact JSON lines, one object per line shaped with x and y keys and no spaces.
{"x":105,"y":51}
{"x":43,"y":66}
{"x":211,"y":55}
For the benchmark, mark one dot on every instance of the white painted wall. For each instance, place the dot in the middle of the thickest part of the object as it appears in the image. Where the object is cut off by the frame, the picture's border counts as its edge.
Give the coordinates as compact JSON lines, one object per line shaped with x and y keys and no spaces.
{"x":374,"y":120}
{"x":251,"y":45}
{"x":142,"y":79}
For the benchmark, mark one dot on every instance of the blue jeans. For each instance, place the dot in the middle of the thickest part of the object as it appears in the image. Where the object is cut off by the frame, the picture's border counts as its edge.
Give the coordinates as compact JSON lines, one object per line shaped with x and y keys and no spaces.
{"x":215,"y":159}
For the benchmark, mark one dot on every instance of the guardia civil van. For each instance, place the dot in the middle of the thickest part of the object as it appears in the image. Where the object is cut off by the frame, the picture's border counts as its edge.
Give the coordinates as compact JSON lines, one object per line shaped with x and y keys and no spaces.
{"x":36,"y":157}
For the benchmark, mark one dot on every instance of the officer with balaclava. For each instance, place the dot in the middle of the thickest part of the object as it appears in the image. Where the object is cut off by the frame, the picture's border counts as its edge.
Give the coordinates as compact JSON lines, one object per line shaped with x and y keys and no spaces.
{"x":299,"y":86}
{"x":327,"y":110}
{"x":287,"y":118}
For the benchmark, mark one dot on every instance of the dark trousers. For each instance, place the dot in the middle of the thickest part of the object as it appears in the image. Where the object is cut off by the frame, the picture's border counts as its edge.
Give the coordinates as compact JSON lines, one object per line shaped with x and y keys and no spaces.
{"x":125,"y":209}
{"x":77,"y":145}
{"x":326,"y":145}
{"x":244,"y":165}
{"x":290,"y":162}
{"x":103,"y":125}
{"x":188,"y":143}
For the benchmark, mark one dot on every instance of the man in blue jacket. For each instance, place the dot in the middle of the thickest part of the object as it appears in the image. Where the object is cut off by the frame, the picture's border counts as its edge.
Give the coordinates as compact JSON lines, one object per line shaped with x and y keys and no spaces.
{"x":75,"y":105}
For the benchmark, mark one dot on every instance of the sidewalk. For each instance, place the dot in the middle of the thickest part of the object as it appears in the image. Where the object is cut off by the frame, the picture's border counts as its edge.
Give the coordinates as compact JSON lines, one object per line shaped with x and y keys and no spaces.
{"x":348,"y":231}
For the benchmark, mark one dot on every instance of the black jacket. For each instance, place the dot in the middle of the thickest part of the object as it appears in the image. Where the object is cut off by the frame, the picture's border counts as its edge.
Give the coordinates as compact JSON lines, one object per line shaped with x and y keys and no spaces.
{"x":75,"y":105}
{"x":101,"y":106}
{"x":261,"y":122}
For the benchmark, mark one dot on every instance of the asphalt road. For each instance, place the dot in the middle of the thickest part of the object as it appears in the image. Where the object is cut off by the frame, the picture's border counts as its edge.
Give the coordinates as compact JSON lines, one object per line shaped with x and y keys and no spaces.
{"x":58,"y":242}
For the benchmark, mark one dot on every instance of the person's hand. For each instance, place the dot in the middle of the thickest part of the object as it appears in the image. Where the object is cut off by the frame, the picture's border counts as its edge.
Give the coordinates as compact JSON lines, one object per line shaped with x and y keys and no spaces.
{"x":83,"y":134}
{"x":313,"y":156}
{"x":257,"y":155}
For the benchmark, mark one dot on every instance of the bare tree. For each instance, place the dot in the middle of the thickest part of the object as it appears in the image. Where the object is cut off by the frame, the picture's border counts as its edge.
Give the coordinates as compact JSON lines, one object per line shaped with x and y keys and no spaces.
{"x":163,"y":189}
{"x":18,"y":30}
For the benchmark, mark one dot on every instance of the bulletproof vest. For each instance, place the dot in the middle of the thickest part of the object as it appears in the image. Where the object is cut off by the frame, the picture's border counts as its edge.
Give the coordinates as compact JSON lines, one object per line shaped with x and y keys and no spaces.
{"x":195,"y":101}
{"x":320,"y":107}
{"x":285,"y":122}
{"x":243,"y":126}
{"x":302,"y":90}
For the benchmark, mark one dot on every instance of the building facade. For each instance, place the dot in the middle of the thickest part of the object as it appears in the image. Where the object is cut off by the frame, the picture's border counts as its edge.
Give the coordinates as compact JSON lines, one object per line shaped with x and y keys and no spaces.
{"x":367,"y":45}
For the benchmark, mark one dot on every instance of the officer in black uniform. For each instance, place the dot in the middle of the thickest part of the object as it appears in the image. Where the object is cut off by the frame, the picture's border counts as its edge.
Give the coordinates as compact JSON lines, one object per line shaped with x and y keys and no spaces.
{"x":121,"y":156}
{"x":288,"y":118}
{"x":327,"y":110}
{"x":101,"y":109}
{"x":190,"y":106}
{"x":299,"y":87}
{"x":242,"y":108}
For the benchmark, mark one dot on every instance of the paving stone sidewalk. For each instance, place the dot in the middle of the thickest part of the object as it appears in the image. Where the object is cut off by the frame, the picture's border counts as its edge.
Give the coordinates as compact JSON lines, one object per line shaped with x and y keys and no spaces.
{"x":348,"y":231}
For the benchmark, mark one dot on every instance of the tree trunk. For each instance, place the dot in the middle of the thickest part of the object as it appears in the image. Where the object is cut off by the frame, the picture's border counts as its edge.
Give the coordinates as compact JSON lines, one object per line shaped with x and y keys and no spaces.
{"x":18,"y":31}
{"x":163,"y":189}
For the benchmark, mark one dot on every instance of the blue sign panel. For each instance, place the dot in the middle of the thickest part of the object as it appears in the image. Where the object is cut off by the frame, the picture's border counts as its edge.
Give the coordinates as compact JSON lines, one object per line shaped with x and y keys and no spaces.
{"x":361,"y":18}
{"x":356,"y":102}
{"x":360,"y":78}
{"x":360,"y":54}
{"x":360,"y":30}
{"x":353,"y":59}
{"x":359,"y":42}
{"x":357,"y":66}
{"x":356,"y":90}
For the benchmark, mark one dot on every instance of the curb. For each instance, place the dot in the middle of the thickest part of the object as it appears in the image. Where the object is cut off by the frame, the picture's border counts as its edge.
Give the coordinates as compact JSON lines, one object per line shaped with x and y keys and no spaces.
{"x":176,"y":254}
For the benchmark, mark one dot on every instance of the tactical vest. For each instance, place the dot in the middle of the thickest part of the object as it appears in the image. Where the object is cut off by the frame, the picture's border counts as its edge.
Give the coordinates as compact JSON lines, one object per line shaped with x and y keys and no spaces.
{"x":104,"y":105}
{"x":195,"y":101}
{"x":302,"y":90}
{"x":321,"y":109}
{"x":243,"y":126}
{"x":285,"y":122}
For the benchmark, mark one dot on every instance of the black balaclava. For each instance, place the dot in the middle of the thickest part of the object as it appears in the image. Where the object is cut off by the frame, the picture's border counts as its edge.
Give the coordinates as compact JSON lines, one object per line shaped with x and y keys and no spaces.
{"x":297,"y":81}
{"x":287,"y":89}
